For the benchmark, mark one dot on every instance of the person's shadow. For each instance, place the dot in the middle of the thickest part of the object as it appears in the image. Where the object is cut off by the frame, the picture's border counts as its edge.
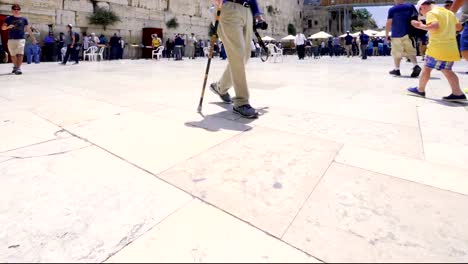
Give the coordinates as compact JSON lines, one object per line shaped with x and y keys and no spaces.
{"x":416,"y":78}
{"x":224,"y":120}
{"x":448,"y":103}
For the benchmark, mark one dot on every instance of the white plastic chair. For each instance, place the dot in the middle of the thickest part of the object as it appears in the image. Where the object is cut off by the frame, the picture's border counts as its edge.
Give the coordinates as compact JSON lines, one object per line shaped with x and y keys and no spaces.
{"x":90,"y":53}
{"x":100,"y":53}
{"x":206,"y":51}
{"x":275,"y":52}
{"x":157,"y":52}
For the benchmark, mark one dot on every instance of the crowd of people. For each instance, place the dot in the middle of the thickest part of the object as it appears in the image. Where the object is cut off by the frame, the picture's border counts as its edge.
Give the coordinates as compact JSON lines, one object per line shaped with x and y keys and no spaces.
{"x":426,"y":29}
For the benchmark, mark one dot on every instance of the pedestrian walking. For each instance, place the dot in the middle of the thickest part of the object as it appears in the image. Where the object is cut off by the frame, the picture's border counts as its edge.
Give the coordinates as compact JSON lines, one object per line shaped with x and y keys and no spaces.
{"x":33,"y":51}
{"x":178,"y":47}
{"x":191,"y":46}
{"x":114,"y":46}
{"x":236,"y":31}
{"x":49,"y":42}
{"x":399,"y":23}
{"x":16,"y":26}
{"x":300,"y":45}
{"x":442,"y":50}
{"x":364,"y":40}
{"x":464,"y":21}
{"x":71,"y":40}
{"x":349,"y":44}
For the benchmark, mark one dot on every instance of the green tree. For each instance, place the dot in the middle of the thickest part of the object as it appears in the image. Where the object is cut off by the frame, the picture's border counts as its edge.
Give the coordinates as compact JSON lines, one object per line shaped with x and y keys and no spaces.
{"x":361,"y":19}
{"x":103,"y":17}
{"x":172,"y":23}
{"x":291,"y":29}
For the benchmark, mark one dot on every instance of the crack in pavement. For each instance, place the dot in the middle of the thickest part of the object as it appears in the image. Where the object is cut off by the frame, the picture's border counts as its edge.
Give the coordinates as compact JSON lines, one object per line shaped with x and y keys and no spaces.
{"x":46,"y":155}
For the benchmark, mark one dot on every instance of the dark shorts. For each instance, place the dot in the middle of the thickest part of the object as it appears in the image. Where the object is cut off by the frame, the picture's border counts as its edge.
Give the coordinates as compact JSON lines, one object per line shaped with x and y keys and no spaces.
{"x":437,"y":64}
{"x":464,"y":38}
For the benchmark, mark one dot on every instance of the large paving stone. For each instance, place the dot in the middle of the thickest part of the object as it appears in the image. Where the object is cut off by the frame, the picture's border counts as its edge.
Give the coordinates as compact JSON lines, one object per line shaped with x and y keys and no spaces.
{"x":262,"y":176}
{"x":74,"y":109}
{"x":441,"y":176}
{"x":67,"y":201}
{"x":359,"y":216}
{"x":444,"y":133}
{"x":22,"y":128}
{"x":157,"y":143}
{"x":403,"y":140}
{"x":201,"y":233}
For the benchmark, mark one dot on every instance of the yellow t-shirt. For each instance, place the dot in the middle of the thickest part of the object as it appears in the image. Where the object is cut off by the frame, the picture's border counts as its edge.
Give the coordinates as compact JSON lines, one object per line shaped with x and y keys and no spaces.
{"x":156,"y":42}
{"x":442,"y":42}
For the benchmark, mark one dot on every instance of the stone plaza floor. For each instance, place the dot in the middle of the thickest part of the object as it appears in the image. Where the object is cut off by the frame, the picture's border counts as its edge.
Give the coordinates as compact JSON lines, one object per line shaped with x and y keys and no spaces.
{"x":111,"y":162}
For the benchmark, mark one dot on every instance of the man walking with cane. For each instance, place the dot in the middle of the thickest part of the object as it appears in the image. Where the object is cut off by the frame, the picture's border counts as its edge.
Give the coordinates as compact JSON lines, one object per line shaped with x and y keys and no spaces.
{"x":236,"y":31}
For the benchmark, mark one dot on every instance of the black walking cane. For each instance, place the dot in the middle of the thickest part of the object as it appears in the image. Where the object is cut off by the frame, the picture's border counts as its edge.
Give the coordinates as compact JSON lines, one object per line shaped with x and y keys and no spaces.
{"x":264,"y":26}
{"x":214,"y":37}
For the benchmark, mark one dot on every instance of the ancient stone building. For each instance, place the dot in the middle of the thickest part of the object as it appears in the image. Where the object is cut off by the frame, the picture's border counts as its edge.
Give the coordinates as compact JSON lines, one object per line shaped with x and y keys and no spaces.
{"x":332,"y":19}
{"x":192,"y":15}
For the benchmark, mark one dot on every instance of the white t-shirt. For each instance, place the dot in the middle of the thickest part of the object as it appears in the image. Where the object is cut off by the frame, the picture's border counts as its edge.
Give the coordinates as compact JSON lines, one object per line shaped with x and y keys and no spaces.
{"x":300,"y":39}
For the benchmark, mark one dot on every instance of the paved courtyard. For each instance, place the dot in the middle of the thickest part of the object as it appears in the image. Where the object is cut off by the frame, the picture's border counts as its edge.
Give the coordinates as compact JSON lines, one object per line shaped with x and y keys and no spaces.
{"x":111,"y":162}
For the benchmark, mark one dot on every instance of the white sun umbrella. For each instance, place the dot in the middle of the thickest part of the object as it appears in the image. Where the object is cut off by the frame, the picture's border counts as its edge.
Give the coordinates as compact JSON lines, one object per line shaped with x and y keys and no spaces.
{"x":382,"y":34}
{"x":371,"y":32}
{"x":268,"y":38}
{"x":288,"y":38}
{"x":345,"y":34}
{"x":320,"y":35}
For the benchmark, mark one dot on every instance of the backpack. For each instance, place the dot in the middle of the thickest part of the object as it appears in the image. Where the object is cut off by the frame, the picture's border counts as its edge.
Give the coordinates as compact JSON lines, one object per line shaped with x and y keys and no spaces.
{"x":77,"y":37}
{"x":416,"y":32}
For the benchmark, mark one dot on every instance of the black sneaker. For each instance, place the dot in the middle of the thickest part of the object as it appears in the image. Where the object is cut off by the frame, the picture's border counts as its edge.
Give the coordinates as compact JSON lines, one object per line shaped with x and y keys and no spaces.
{"x":18,"y":72}
{"x":455,"y":98}
{"x":14,"y":70}
{"x":395,"y":72}
{"x":225,"y":97}
{"x":416,"y":71}
{"x":246,"y":111}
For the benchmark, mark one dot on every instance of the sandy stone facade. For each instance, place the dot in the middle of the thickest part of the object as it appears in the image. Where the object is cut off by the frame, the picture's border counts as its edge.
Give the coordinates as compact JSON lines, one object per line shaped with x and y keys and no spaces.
{"x":334,"y":20}
{"x":192,"y":16}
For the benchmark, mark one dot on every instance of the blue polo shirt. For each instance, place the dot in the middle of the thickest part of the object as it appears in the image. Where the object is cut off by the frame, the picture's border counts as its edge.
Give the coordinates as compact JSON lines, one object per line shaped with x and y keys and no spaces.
{"x":18,"y":31}
{"x":253,"y":6}
{"x":348,"y":39}
{"x":401,"y":18}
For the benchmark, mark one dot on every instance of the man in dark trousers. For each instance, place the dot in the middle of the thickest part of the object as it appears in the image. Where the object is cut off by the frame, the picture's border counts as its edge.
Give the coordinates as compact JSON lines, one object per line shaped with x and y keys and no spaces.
{"x":236,"y":31}
{"x":71,"y":42}
{"x":114,"y":45}
{"x":349,"y":44}
{"x":364,"y":38}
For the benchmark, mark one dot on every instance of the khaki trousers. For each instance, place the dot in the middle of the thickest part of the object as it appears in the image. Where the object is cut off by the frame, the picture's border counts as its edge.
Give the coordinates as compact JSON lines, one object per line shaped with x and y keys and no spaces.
{"x":236,"y":31}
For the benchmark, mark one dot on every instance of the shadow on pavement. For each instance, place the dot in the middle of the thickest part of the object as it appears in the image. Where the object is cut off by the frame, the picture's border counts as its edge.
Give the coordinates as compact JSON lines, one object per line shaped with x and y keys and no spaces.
{"x":219,"y":121}
{"x":447,"y":103}
{"x":409,"y":77}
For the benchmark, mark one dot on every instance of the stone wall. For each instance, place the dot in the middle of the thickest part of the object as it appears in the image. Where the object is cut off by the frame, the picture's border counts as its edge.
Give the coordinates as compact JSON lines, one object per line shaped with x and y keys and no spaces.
{"x":331,"y":20}
{"x":318,"y":18}
{"x":192,"y":16}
